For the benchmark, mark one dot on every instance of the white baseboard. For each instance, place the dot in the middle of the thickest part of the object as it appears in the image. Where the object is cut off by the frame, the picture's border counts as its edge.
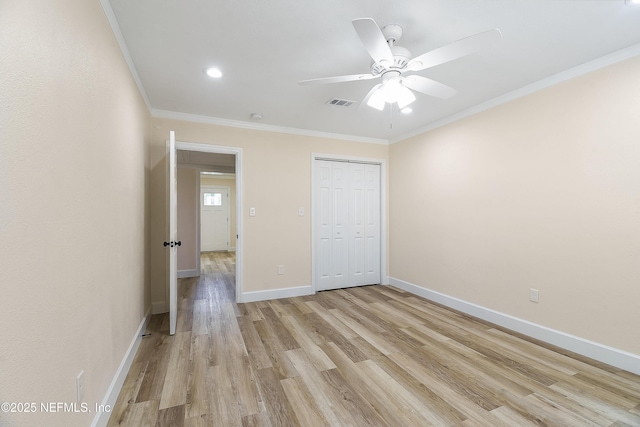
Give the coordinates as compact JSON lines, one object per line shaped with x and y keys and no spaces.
{"x":188,"y":273}
{"x":159,"y":307}
{"x":276,"y":294}
{"x":609,"y":355}
{"x":102,"y":417}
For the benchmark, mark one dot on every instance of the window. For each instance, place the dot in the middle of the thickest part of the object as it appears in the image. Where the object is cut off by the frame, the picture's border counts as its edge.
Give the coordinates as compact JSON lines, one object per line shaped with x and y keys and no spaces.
{"x":212,"y":199}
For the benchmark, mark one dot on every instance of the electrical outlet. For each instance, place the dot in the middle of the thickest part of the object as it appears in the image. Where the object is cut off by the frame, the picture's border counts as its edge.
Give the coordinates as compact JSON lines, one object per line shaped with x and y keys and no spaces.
{"x":80,"y":386}
{"x":252,"y":211}
{"x":533,"y":295}
{"x":281,"y":269}
{"x":300,"y":211}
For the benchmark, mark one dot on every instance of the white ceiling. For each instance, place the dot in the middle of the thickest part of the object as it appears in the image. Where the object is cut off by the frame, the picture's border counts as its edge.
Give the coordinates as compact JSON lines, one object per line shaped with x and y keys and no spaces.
{"x":217,"y":162}
{"x":264,"y":47}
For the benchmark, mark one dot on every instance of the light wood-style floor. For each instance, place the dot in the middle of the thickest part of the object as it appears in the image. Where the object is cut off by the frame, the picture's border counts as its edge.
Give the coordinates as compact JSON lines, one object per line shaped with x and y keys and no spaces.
{"x":371,"y":356}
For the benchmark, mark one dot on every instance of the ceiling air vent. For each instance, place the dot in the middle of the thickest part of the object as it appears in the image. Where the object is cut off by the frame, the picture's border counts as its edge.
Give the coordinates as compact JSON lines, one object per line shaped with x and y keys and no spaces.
{"x":340,"y":102}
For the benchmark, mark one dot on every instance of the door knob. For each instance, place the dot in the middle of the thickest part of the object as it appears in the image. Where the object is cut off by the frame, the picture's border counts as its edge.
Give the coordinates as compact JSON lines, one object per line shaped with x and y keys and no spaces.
{"x":172,"y":244}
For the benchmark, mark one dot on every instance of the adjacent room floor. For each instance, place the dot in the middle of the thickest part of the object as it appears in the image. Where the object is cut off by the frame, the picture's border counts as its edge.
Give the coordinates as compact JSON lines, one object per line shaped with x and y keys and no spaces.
{"x":370,"y":356}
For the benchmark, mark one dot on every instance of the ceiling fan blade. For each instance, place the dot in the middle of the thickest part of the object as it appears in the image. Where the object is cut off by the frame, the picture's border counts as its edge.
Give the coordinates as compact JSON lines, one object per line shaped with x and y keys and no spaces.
{"x":455,"y":50}
{"x":337,"y":79}
{"x":373,"y":40}
{"x":429,"y":87}
{"x":371,"y":92}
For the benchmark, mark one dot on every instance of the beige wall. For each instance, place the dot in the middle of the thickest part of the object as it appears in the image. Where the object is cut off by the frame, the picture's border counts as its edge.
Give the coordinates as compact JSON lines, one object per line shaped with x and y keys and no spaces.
{"x":188,"y":188}
{"x":73,"y":215}
{"x":276,"y":181}
{"x":542,"y":192}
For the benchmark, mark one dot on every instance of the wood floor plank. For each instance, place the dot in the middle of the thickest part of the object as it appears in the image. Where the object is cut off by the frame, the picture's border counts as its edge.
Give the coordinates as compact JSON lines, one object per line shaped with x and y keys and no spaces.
{"x":256,"y":420}
{"x":196,"y":399}
{"x":278,"y":330}
{"x":412,"y":410}
{"x":608,"y":411}
{"x":143,"y":414}
{"x":200,"y":324}
{"x":441,"y":412}
{"x":128,"y":393}
{"x":381,"y":399}
{"x":334,"y":324}
{"x":319,"y":359}
{"x":171,"y":417}
{"x":344,"y":342}
{"x":243,"y":382}
{"x":369,"y":356}
{"x":372,"y":337}
{"x":174,"y":392}
{"x":455,"y":394}
{"x":155,"y":371}
{"x":278,"y":407}
{"x":221,"y":397}
{"x":255,"y":347}
{"x":275,"y":350}
{"x":303,"y":403}
{"x":318,"y":389}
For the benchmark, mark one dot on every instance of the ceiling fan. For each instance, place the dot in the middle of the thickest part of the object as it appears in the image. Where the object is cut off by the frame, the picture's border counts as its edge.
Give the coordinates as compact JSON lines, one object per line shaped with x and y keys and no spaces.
{"x":391,"y":63}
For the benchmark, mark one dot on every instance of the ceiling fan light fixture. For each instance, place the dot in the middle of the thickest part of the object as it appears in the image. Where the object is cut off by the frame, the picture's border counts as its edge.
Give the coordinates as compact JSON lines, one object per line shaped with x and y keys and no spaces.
{"x":405,"y":97}
{"x":377,"y":100}
{"x":393,"y":91}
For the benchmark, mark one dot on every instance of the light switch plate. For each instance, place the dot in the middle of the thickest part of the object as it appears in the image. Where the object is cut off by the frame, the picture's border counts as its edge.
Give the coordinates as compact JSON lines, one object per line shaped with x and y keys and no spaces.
{"x":533,"y":295}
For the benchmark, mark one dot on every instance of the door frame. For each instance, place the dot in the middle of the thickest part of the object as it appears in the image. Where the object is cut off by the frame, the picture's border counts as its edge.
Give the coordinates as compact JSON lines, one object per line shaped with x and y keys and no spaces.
{"x":384,"y":279}
{"x":220,"y":149}
{"x":228,"y":209}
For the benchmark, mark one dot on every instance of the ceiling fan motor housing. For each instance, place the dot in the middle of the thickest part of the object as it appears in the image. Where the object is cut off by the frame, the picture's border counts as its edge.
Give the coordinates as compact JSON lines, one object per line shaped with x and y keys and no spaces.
{"x":401,"y":57}
{"x":392,"y":32}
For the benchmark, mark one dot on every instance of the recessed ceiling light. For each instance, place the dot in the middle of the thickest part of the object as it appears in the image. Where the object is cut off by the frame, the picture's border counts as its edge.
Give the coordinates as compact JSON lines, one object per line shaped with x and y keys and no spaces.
{"x":406,"y":110}
{"x":213,"y":72}
{"x":633,"y":2}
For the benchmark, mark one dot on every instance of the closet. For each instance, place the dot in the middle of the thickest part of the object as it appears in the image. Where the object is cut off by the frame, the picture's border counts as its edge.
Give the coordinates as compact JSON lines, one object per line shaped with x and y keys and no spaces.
{"x":347,"y":224}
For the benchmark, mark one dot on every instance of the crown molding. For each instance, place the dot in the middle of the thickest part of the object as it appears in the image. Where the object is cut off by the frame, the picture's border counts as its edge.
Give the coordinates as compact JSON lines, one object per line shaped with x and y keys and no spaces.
{"x":553,"y":80}
{"x":113,"y":22}
{"x":164,"y":114}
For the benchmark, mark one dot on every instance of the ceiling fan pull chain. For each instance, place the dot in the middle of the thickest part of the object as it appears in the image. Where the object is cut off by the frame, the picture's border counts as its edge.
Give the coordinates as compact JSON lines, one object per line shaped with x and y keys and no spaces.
{"x":391,"y":116}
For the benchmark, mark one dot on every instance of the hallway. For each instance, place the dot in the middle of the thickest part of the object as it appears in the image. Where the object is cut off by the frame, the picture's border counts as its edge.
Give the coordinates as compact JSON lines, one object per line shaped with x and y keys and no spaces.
{"x":170,"y":376}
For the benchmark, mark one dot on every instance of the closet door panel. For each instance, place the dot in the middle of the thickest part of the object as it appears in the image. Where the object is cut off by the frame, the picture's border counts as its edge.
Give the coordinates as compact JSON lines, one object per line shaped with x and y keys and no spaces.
{"x":347,"y":224}
{"x":371,"y":228}
{"x":324,"y":227}
{"x":340,"y":255}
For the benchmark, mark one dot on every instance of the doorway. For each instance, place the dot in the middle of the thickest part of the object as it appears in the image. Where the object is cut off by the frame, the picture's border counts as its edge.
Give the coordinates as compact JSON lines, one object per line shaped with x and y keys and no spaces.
{"x":198,"y":156}
{"x":215,"y":222}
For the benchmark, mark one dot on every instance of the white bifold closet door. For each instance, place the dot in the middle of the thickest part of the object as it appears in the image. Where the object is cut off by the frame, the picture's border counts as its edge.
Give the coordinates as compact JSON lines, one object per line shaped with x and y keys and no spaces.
{"x":347,"y":224}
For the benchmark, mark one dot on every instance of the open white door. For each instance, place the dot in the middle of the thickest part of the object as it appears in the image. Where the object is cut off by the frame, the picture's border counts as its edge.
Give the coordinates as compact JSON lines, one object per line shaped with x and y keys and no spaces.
{"x":173,"y":243}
